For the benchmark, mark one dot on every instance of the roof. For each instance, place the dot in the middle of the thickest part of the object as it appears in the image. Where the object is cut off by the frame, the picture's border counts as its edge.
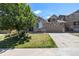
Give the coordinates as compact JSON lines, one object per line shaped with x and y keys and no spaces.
{"x":61,"y":21}
{"x":74,"y":16}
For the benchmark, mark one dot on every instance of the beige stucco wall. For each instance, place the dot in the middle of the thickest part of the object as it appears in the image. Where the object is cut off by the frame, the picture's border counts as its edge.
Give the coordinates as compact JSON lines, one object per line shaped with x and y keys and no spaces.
{"x":54,"y":27}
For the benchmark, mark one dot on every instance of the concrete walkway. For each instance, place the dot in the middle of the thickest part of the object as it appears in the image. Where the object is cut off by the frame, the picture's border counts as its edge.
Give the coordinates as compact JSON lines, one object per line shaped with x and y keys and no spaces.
{"x":41,"y":52}
{"x":65,"y":40}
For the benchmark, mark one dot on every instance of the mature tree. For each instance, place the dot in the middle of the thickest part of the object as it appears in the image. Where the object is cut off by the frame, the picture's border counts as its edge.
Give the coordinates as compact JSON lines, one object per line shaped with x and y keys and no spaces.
{"x":16,"y":16}
{"x":7,"y":15}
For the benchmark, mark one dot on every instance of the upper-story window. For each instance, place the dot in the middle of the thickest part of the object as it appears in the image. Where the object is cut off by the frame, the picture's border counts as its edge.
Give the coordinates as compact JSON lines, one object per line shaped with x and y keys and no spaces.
{"x":74,"y":23}
{"x":53,"y":19}
{"x":48,"y":20}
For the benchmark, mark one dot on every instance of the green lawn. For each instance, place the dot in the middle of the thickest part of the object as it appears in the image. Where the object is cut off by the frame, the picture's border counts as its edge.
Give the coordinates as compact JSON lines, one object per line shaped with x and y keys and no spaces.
{"x":40,"y":40}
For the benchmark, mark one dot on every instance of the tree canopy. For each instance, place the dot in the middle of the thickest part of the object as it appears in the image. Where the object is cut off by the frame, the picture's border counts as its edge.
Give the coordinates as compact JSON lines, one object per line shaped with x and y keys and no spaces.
{"x":16,"y":16}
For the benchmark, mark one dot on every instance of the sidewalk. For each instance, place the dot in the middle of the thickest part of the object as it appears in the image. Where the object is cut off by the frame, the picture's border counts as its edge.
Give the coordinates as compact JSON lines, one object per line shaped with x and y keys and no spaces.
{"x":42,"y":52}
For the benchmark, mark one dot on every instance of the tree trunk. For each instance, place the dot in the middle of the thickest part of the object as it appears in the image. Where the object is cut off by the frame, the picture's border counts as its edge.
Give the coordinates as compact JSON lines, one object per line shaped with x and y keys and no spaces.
{"x":10,"y":32}
{"x":18,"y":33}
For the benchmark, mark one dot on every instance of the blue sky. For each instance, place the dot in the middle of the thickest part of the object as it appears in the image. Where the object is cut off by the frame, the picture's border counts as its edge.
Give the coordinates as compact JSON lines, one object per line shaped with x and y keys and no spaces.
{"x":45,"y":10}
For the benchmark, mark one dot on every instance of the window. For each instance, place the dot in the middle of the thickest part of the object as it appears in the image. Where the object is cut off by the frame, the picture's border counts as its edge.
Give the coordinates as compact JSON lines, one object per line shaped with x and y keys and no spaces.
{"x":53,"y":19}
{"x":40,"y":25}
{"x":74,"y":23}
{"x":48,"y":20}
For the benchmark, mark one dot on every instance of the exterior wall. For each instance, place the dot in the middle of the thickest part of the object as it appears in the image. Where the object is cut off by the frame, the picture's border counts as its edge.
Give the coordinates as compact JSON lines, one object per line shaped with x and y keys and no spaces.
{"x":54,"y":27}
{"x":40,"y":26}
{"x":70,"y":22}
{"x":70,"y":25}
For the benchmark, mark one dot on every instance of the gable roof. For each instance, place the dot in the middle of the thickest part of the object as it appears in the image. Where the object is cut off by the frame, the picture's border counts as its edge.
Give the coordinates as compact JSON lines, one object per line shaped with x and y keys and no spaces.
{"x":74,"y":16}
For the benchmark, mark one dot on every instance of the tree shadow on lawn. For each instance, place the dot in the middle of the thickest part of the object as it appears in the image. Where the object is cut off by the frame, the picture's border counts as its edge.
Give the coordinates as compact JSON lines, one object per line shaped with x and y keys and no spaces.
{"x":11,"y":42}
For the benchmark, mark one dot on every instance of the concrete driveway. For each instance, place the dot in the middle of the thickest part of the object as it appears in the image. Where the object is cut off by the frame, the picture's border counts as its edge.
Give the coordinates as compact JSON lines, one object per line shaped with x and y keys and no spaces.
{"x":65,"y":40}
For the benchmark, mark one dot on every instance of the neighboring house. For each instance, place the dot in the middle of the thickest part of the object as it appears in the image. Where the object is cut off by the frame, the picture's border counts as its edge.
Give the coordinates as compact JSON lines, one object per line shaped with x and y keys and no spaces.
{"x":61,"y":23}
{"x":72,"y":21}
{"x":39,"y":25}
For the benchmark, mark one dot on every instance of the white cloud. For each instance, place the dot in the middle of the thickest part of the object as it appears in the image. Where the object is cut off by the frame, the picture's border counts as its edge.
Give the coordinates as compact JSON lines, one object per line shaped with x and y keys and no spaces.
{"x":47,"y":17}
{"x":37,"y":11}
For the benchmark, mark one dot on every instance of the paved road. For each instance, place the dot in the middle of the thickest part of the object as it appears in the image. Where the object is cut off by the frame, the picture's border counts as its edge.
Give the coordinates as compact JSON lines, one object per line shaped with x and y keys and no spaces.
{"x":65,"y":40}
{"x":41,"y":52}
